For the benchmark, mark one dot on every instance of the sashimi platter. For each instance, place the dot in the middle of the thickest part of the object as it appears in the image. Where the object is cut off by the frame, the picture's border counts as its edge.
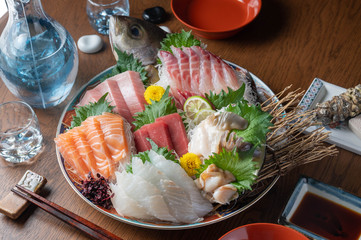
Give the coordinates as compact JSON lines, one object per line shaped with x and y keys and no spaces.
{"x":170,"y":141}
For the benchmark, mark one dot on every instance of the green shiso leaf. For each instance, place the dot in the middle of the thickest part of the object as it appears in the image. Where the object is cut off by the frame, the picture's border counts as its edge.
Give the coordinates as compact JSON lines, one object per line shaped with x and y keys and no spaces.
{"x":164,"y":106}
{"x":127,"y":62}
{"x":243,"y":169}
{"x":223,"y":99}
{"x":91,"y":109}
{"x":258,"y":122}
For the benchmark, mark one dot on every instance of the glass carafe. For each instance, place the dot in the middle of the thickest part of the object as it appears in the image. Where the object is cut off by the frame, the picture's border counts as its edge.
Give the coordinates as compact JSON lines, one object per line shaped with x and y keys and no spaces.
{"x":38,"y":57}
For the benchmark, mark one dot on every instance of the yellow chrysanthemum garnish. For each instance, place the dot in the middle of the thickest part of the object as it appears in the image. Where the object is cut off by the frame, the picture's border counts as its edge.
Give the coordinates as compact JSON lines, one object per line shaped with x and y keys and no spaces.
{"x":153,"y":92}
{"x":190,"y":162}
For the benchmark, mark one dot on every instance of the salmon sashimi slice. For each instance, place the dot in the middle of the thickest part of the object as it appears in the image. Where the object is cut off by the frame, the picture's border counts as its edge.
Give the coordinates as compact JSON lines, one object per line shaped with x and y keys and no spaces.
{"x":115,"y":132}
{"x":84,"y":149}
{"x":102,"y":144}
{"x":68,"y":150}
{"x":132,"y":89}
{"x":116,"y":99}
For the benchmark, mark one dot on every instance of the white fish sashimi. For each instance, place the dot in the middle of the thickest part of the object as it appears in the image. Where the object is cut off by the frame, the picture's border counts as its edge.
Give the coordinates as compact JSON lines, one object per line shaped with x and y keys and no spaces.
{"x":177,"y":200}
{"x":126,"y":206}
{"x":145,"y":194}
{"x":176,"y":173}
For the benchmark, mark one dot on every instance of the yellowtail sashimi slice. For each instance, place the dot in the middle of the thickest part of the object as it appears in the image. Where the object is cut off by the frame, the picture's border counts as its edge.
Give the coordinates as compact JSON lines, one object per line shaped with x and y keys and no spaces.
{"x":177,"y":200}
{"x":176,"y":173}
{"x":146,"y":195}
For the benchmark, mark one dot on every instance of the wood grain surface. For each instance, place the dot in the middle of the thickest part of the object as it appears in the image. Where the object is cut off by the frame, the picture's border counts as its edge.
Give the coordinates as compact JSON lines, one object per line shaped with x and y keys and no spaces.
{"x":290,"y":42}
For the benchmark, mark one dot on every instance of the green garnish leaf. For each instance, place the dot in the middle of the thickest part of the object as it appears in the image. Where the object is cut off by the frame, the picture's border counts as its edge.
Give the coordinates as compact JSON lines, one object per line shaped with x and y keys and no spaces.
{"x":243,"y":169}
{"x":164,"y":106}
{"x":223,"y":99}
{"x":91,"y":109}
{"x":179,"y":40}
{"x":127,"y":62}
{"x":258,"y":122}
{"x":144,"y":156}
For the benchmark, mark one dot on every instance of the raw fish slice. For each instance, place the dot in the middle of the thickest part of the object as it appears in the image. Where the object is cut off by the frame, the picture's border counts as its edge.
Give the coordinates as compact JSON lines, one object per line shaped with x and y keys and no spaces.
{"x":177,"y":132}
{"x":171,"y":72}
{"x":180,"y":202}
{"x":176,"y":173}
{"x":140,"y":139}
{"x":92,"y":95}
{"x":230,"y":76}
{"x":218,"y":79}
{"x":146,"y":194}
{"x":159,"y":133}
{"x":132,"y":89}
{"x":126,"y":206}
{"x":194,"y":66}
{"x":205,"y":80}
{"x":177,"y":200}
{"x":115,"y":97}
{"x":95,"y":137}
{"x":84,"y":148}
{"x":183,"y":64}
{"x":67,"y":148}
{"x":115,"y":131}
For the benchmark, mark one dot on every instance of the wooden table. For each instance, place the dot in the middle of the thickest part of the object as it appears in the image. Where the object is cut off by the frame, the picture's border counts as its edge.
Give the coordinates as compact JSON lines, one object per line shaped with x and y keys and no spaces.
{"x":290,"y":42}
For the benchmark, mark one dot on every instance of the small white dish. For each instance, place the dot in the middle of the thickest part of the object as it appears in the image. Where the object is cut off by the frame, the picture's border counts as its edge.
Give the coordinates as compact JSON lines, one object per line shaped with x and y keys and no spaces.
{"x":341,"y":135}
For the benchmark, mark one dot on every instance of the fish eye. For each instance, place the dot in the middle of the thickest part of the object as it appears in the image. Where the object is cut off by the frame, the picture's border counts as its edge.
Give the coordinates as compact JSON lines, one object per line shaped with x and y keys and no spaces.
{"x":135,"y":31}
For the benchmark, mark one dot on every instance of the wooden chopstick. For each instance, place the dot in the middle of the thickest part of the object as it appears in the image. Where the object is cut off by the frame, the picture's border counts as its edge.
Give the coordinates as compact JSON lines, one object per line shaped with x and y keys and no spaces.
{"x":65,"y":215}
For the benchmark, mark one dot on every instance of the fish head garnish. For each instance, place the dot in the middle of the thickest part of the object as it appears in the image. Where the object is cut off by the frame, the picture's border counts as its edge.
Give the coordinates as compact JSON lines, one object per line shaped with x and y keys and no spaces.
{"x":135,"y":36}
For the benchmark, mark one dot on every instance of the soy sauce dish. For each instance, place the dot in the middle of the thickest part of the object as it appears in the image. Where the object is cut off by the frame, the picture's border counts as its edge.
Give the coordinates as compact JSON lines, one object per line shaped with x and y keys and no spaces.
{"x":321,"y":211}
{"x":214,"y":19}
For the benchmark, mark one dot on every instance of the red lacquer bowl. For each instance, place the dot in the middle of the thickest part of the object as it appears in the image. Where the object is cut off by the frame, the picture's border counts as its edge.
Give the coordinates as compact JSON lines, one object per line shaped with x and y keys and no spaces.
{"x":262,"y":231}
{"x":215,"y":19}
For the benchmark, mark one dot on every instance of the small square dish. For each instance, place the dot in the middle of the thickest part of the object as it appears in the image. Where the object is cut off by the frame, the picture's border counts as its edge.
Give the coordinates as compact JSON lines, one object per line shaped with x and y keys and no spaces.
{"x":321,"y":211}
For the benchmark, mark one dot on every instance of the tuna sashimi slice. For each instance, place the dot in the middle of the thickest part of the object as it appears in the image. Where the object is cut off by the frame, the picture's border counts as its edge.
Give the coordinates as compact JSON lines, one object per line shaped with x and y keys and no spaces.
{"x":115,"y":98}
{"x":140,"y":139}
{"x":177,"y":132}
{"x":92,"y":95}
{"x":158,"y":132}
{"x":132,"y":89}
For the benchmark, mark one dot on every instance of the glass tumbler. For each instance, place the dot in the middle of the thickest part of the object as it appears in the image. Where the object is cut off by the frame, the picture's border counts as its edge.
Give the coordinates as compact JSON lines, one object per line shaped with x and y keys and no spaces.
{"x":20,"y":136}
{"x":99,"y":11}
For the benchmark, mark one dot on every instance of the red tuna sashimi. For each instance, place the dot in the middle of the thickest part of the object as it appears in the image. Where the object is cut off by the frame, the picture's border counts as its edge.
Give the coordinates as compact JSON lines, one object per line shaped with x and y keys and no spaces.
{"x":91,"y":95}
{"x":177,"y":132}
{"x":132,"y":88}
{"x":140,"y":139}
{"x":158,"y":132}
{"x":115,"y":98}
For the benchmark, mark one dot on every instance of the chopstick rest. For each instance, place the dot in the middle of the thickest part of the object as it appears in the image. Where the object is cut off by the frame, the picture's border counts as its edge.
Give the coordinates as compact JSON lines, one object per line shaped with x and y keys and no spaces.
{"x":13,"y":205}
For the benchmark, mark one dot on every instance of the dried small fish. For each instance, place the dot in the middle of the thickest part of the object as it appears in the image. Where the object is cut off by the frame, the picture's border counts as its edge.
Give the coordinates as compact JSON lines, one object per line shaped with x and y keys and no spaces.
{"x":341,"y":107}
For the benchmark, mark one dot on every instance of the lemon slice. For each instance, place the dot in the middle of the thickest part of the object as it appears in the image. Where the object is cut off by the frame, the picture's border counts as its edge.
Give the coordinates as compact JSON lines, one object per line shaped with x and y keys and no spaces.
{"x":202,"y":114}
{"x":194,"y":104}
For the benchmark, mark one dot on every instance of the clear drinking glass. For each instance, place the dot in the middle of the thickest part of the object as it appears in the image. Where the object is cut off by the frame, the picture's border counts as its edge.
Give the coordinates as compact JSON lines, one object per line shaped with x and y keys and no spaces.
{"x":99,"y":11}
{"x":20,"y":136}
